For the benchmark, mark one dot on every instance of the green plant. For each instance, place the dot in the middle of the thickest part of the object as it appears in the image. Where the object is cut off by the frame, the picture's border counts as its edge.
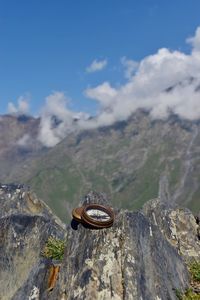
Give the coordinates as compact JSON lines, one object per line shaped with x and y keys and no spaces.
{"x":188,"y":295}
{"x":54,"y":248}
{"x":179,"y":295}
{"x":194,"y":269}
{"x":191,"y":295}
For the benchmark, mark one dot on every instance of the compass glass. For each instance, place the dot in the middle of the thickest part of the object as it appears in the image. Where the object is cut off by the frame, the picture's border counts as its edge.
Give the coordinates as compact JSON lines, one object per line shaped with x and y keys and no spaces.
{"x":98,"y":215}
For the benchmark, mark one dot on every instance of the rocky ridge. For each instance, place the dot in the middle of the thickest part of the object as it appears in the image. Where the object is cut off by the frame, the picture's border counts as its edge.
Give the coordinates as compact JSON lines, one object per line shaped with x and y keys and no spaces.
{"x":142,"y":256}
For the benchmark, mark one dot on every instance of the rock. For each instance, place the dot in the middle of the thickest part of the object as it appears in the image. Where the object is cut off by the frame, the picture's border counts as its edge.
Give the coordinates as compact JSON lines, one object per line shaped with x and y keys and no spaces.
{"x":134,"y":259}
{"x":178,"y":226}
{"x":26,"y":223}
{"x":131,"y":260}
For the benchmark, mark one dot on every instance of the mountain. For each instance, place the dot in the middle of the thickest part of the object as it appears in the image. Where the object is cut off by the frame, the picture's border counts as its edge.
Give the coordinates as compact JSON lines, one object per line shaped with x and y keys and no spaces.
{"x":17,"y":141}
{"x":145,"y":254}
{"x":132,"y":161}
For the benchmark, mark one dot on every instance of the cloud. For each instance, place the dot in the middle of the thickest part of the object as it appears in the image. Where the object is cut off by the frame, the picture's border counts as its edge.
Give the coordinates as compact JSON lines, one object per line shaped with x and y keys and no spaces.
{"x":24,"y":141}
{"x":163,"y":82}
{"x":130,"y":67}
{"x":22,"y":106}
{"x":57,"y":120}
{"x":96,"y":65}
{"x":195,"y":41}
{"x":103,"y":93}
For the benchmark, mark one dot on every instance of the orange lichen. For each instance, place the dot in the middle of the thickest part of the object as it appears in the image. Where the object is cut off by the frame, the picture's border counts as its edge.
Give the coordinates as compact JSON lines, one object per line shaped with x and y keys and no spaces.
{"x":53,"y":276}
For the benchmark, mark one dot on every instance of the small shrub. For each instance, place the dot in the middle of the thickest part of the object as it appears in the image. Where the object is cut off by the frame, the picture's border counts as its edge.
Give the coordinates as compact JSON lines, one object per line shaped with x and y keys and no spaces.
{"x":190,"y":295}
{"x":179,"y":295}
{"x":194,"y":269}
{"x":54,"y":249}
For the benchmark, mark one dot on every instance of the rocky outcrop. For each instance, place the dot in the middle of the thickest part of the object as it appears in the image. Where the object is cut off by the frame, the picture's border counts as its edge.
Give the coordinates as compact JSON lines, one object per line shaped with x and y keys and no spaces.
{"x":25,"y":224}
{"x":179,"y":226}
{"x":137,"y":258}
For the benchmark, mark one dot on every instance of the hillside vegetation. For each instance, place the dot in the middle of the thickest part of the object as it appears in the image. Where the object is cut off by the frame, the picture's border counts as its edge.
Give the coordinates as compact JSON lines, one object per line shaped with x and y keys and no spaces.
{"x":132,"y":161}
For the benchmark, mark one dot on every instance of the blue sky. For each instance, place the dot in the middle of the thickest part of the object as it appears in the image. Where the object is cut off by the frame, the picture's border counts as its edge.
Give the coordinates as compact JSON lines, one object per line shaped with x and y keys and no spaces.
{"x":48,"y":45}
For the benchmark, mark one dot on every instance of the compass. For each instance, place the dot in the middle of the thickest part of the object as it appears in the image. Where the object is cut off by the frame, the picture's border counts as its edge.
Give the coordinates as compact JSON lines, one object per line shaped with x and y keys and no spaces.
{"x":94,"y":215}
{"x":76,"y":213}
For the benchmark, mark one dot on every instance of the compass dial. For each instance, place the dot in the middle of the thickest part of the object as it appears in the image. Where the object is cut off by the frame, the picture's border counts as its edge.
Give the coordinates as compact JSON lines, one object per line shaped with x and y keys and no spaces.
{"x":98,"y":215}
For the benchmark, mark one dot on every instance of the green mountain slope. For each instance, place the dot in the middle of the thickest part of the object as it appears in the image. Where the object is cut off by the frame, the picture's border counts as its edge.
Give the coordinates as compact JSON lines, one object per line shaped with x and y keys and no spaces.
{"x":131,"y":161}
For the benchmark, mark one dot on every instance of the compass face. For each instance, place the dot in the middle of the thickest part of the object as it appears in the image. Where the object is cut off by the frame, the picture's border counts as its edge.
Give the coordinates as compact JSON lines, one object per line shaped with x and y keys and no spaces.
{"x":98,"y":215}
{"x":94,"y":215}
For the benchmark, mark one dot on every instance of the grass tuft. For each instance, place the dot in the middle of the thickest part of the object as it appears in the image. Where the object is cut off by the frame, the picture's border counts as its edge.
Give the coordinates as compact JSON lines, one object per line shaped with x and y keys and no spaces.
{"x":191,"y":295}
{"x":194,"y":269}
{"x":193,"y":292}
{"x":54,"y":249}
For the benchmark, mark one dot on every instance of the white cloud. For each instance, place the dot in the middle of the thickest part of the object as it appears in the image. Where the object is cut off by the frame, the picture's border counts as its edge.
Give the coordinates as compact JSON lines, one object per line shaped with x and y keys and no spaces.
{"x":22,"y":106}
{"x":96,"y":65}
{"x":149,"y":87}
{"x":104,"y":93}
{"x":164,"y":82}
{"x":57,"y":120}
{"x":195,"y":41}
{"x":24,"y":140}
{"x":130,"y":67}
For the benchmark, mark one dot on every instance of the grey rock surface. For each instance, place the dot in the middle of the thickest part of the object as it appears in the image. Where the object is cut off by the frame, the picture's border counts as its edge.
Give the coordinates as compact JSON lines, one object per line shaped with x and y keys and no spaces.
{"x":26,"y":223}
{"x":134,"y":259}
{"x":178,"y":226}
{"x":131,"y":260}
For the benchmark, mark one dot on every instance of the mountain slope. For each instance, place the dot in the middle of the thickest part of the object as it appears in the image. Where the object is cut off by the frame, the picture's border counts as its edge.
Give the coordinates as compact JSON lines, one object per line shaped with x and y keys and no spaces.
{"x":132,"y":161}
{"x":17,"y":141}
